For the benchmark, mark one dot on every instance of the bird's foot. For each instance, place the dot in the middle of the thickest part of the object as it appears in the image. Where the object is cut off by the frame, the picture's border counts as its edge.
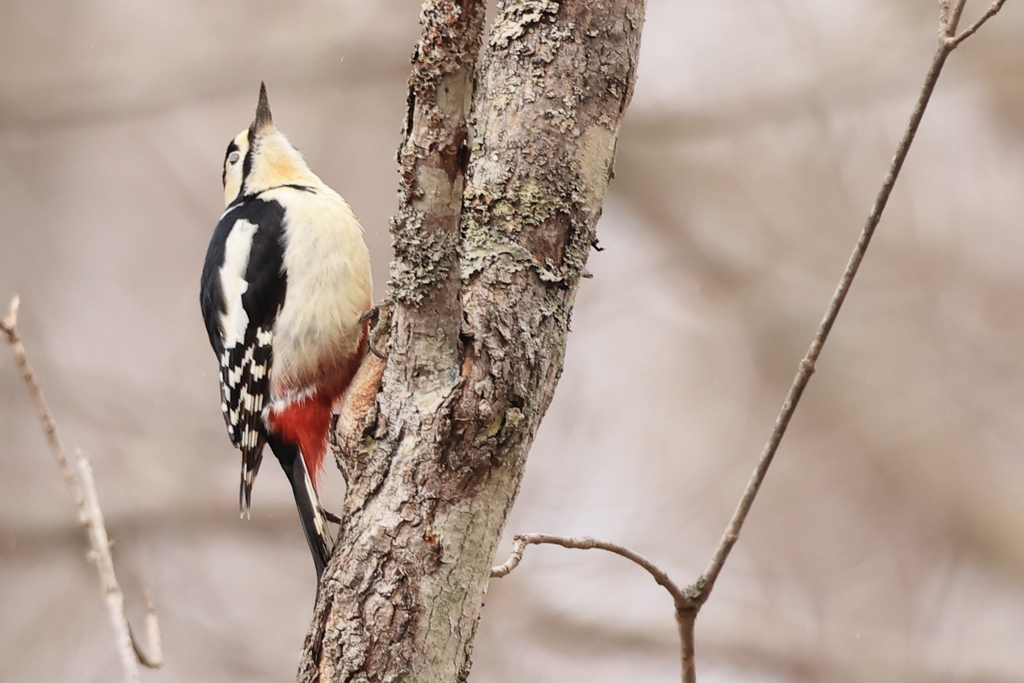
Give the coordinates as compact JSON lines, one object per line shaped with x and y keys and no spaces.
{"x":375,"y":315}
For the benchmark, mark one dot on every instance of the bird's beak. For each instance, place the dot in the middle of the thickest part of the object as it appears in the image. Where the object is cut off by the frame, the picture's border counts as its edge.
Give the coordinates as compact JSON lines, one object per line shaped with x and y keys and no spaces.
{"x":263,"y":120}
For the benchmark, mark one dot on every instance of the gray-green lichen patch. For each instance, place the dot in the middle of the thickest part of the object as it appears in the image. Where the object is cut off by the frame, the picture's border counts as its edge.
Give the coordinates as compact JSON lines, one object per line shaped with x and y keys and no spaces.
{"x":515,"y":258}
{"x":422,"y":257}
{"x":445,"y":43}
{"x":515,"y":17}
{"x":493,"y":225}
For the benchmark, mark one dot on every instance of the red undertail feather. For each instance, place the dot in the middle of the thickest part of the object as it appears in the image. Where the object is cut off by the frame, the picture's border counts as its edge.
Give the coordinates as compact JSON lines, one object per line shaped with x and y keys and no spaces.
{"x":306,"y":423}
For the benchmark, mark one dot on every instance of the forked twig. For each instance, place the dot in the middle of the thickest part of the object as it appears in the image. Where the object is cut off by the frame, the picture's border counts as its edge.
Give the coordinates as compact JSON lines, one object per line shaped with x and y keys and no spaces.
{"x":954,"y":40}
{"x":684,"y":599}
{"x":79,"y":480}
{"x":689,"y":600}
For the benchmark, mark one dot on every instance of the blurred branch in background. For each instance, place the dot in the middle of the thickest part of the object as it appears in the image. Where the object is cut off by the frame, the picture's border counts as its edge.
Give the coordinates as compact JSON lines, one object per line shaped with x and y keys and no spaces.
{"x":689,"y":601}
{"x":82,"y":487}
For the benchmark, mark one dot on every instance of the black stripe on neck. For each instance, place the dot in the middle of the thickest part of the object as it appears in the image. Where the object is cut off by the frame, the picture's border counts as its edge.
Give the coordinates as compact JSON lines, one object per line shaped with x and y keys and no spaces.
{"x":294,"y":186}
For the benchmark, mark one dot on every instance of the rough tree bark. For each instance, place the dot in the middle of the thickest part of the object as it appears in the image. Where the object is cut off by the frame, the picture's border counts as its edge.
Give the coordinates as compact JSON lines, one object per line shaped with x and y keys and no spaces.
{"x":501,"y":189}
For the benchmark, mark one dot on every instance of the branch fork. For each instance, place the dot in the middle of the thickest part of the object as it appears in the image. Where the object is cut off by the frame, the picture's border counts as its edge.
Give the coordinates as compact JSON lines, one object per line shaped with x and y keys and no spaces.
{"x":949,"y":18}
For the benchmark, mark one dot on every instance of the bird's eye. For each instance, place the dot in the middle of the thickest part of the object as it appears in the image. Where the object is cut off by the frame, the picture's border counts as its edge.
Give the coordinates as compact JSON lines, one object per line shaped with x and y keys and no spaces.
{"x":234,"y":157}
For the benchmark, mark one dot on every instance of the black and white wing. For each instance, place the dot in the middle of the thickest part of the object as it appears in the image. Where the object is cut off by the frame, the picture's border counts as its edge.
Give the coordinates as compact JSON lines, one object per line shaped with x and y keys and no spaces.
{"x":242,"y":290}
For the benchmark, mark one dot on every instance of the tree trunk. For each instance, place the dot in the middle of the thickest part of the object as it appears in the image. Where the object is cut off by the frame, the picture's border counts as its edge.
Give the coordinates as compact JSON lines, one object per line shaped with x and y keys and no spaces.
{"x":487,"y":260}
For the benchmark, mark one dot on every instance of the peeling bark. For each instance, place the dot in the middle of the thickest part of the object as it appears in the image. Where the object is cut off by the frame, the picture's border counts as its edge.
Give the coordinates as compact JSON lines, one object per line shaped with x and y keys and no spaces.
{"x":487,"y":260}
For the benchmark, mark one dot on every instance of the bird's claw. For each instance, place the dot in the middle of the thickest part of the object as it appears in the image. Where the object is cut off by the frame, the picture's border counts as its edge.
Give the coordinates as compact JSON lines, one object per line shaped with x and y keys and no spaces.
{"x":372,"y":315}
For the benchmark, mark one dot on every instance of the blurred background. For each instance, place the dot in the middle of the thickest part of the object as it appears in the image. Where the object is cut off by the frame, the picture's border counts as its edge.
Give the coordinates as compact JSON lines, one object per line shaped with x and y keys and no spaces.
{"x":888,"y":541}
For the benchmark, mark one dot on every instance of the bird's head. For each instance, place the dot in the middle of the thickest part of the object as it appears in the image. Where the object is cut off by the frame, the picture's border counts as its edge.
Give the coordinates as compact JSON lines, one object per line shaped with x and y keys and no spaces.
{"x":261,"y":157}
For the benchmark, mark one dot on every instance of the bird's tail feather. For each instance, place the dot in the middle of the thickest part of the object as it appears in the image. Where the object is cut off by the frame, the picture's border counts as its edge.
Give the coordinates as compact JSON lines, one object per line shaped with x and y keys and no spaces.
{"x":251,"y":459}
{"x":314,"y":523}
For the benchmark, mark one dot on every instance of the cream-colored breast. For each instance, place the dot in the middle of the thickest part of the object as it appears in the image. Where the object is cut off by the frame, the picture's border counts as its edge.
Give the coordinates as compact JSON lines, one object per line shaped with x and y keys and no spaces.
{"x":329,"y":287}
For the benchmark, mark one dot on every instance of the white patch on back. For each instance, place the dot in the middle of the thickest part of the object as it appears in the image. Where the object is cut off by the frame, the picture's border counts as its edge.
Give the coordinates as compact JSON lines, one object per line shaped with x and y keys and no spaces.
{"x":232,"y":281}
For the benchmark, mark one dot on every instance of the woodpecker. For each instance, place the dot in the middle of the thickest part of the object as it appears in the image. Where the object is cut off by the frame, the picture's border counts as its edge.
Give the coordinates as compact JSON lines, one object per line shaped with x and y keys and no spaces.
{"x":284,"y":287}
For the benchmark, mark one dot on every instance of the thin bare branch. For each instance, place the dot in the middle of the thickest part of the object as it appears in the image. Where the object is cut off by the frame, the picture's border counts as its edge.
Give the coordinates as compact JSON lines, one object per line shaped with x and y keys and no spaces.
{"x":972,"y":29}
{"x":82,"y":488}
{"x":155,"y":657}
{"x":686,"y":620}
{"x":807,"y":365}
{"x":127,"y":647}
{"x":9,"y":326}
{"x":949,"y":22}
{"x":943,"y":14}
{"x":685,"y":600}
{"x":520,"y":541}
